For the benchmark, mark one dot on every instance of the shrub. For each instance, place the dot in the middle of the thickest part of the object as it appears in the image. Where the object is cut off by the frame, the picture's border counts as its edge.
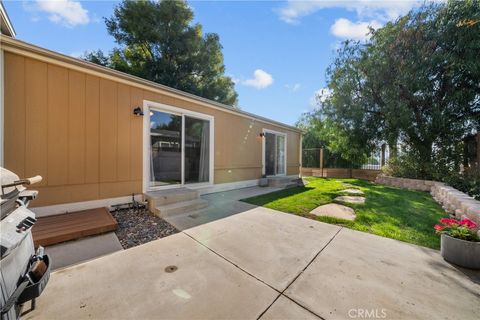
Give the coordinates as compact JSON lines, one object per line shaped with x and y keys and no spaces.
{"x":408,"y":166}
{"x":467,"y":181}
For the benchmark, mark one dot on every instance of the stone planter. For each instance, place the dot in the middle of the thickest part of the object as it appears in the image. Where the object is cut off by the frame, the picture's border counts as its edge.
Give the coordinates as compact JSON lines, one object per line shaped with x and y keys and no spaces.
{"x":460,"y":252}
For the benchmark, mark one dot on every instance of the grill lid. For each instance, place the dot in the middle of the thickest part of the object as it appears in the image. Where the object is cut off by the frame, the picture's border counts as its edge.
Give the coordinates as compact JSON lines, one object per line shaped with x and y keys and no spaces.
{"x":8,"y":195}
{"x":8,"y":177}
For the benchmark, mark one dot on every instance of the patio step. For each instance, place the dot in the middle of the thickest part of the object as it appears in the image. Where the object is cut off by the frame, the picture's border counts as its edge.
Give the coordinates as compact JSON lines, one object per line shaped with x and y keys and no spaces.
{"x":291,"y":185}
{"x":169,"y":210}
{"x":284,"y":182}
{"x":171,"y":196}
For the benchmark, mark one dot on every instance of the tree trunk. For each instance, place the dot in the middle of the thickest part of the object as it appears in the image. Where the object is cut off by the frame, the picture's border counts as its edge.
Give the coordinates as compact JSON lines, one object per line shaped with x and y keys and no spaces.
{"x":425,"y":160}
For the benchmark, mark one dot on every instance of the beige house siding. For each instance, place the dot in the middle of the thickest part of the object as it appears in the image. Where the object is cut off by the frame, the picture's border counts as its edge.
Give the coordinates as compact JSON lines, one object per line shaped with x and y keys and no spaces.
{"x":77,"y":130}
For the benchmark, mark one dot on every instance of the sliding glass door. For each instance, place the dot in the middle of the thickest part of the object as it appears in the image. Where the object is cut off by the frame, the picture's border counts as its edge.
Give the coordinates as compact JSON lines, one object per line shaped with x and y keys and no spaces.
{"x":165,"y":148}
{"x":270,"y":154}
{"x":280,"y":155}
{"x":274,"y":154}
{"x":179,"y":149}
{"x":197,"y":150}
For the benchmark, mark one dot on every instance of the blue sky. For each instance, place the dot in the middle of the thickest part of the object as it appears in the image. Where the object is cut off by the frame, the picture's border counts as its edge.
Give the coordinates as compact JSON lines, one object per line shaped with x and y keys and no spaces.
{"x":277,"y":51}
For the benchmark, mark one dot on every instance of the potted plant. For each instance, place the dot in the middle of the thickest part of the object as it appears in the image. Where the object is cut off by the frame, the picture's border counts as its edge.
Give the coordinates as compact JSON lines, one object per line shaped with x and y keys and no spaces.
{"x":459,"y":242}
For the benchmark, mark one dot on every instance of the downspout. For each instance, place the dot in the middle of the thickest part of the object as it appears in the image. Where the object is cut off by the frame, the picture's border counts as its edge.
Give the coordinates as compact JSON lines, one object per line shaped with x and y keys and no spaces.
{"x":2,"y":100}
{"x":300,"y":156}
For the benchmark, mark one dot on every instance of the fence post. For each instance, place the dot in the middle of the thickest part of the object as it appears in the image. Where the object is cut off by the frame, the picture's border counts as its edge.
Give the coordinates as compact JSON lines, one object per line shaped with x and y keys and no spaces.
{"x":300,"y":158}
{"x":321,"y":160}
{"x":382,"y":157}
{"x":350,"y":165}
{"x":478,"y":149}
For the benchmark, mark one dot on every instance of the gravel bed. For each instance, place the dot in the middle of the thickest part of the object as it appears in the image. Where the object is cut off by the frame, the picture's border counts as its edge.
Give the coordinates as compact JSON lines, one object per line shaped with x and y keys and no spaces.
{"x":138,"y":226}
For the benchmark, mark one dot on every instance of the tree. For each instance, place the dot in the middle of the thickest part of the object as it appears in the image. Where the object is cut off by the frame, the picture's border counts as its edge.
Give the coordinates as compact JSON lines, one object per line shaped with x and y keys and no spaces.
{"x":415,"y":82}
{"x":158,"y":42}
{"x":322,"y":132}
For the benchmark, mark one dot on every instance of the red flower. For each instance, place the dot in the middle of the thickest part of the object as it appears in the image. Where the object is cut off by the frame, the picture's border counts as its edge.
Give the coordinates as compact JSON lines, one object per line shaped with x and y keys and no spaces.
{"x":464,"y":229}
{"x":448,"y":221}
{"x":468,"y":223}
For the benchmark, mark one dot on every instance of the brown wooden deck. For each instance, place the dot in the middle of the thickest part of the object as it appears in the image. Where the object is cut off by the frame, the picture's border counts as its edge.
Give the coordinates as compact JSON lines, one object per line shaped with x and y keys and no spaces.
{"x":70,"y":226}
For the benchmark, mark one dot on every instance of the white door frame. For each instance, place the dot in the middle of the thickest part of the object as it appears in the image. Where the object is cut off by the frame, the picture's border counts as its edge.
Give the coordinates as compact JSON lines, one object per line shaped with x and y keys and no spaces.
{"x":277,"y":133}
{"x":151,"y":105}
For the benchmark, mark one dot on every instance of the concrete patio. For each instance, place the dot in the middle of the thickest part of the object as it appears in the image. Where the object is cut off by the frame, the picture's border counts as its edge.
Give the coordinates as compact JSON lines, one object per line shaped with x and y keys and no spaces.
{"x":263,"y":264}
{"x":220,"y":205}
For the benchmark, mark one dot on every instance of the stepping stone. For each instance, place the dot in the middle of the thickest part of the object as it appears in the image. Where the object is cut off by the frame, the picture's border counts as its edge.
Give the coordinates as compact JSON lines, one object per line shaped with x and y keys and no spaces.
{"x":335,"y":210}
{"x":350,"y":199}
{"x":352,"y":191}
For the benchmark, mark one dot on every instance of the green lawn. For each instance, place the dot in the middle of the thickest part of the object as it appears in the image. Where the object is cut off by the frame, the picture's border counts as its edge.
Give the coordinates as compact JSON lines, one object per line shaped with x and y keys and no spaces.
{"x":389,"y":212}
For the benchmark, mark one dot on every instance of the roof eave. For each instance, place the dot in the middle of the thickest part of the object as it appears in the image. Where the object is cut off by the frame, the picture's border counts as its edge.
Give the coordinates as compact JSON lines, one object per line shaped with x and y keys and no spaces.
{"x":111,"y":72}
{"x":8,"y":23}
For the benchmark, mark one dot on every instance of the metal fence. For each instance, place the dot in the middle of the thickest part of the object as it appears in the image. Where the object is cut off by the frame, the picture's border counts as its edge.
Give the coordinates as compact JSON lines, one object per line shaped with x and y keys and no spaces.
{"x":311,"y":158}
{"x":323,"y":158}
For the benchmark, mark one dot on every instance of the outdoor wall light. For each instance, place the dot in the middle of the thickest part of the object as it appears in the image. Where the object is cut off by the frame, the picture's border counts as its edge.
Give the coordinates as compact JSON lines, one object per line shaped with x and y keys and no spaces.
{"x":262,"y":134}
{"x":138,"y":111}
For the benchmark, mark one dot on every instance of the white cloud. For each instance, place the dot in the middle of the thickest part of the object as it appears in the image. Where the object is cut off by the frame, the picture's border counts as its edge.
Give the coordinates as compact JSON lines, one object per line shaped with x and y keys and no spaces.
{"x":261,"y":79}
{"x":346,"y":29}
{"x":235,"y":80}
{"x":294,"y":10}
{"x":66,"y":12}
{"x":383,"y":10}
{"x":321,"y":95}
{"x":293,"y":87}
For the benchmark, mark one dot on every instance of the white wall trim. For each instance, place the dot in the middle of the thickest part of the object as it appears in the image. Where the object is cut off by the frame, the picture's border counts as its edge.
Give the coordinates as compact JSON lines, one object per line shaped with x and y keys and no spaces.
{"x":79,"y":206}
{"x":233,"y":185}
{"x":6,"y":19}
{"x":300,"y":156}
{"x":147,"y":105}
{"x":2,"y":108}
{"x":85,"y":205}
{"x":278,"y":133}
{"x":225,"y":186}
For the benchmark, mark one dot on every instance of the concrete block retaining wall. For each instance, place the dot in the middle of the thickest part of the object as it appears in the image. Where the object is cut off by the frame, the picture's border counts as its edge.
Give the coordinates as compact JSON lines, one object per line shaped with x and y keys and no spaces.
{"x":412,"y":184}
{"x":453,"y":201}
{"x":365,"y":174}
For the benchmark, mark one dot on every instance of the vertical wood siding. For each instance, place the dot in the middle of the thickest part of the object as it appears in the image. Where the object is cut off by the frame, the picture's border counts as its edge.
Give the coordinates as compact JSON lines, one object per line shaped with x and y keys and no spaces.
{"x":78,"y":131}
{"x":92,"y":129}
{"x":36,"y":120}
{"x":76,"y":128}
{"x":14,"y":113}
{"x":57,"y":126}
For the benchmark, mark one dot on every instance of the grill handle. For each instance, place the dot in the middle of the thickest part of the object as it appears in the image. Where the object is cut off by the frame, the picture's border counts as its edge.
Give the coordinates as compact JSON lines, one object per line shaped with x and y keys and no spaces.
{"x":33,"y":180}
{"x":20,"y":182}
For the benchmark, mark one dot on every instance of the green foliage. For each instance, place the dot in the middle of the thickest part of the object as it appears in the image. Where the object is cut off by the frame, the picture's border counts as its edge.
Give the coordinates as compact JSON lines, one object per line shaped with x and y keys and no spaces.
{"x":467,"y":181}
{"x":416,"y":82}
{"x":323,"y":132}
{"x":463,"y":233}
{"x":157,"y":41}
{"x":404,"y":166}
{"x":399,"y":214}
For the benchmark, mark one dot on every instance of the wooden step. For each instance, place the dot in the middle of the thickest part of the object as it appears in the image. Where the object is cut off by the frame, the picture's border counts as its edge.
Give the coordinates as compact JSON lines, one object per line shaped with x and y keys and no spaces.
{"x":71,"y":226}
